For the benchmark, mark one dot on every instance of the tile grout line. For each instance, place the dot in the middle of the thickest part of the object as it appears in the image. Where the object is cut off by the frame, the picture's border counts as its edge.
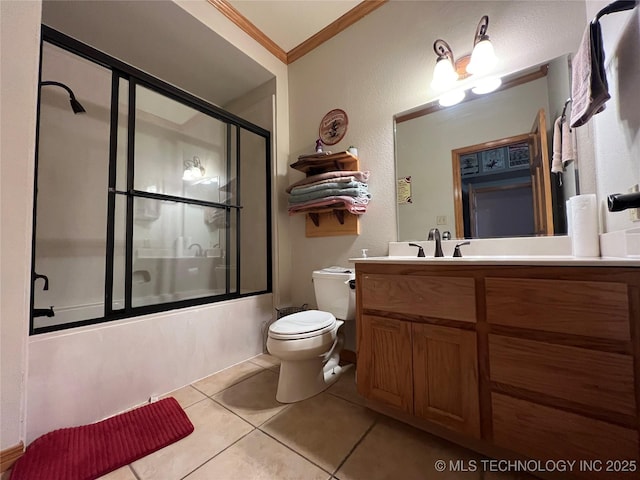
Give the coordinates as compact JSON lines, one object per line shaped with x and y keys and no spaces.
{"x":221,"y":451}
{"x":343,"y":398}
{"x":375,"y":422}
{"x":244,"y":419}
{"x":133,"y":471}
{"x":294,"y":451}
{"x":228,"y":386}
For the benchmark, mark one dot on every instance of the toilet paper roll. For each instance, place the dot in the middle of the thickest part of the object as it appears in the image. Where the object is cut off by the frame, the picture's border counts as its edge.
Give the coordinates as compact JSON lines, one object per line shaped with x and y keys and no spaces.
{"x":585,"y":241}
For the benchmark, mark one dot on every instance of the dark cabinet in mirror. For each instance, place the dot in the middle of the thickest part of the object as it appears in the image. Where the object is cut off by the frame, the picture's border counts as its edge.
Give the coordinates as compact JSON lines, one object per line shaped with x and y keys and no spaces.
{"x":481,"y":169}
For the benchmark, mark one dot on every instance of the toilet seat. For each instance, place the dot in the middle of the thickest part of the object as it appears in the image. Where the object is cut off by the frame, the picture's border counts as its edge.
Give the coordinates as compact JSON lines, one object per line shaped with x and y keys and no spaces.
{"x":309,"y":323}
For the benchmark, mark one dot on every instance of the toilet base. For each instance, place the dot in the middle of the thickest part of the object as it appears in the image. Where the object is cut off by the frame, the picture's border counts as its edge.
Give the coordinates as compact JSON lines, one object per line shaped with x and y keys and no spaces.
{"x":302,"y":379}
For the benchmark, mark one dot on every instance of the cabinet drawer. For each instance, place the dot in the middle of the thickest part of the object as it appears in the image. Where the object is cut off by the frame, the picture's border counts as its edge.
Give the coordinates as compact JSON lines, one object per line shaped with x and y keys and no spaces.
{"x":598,"y":379}
{"x":594,"y":309}
{"x":545,"y":433}
{"x":450,"y":298}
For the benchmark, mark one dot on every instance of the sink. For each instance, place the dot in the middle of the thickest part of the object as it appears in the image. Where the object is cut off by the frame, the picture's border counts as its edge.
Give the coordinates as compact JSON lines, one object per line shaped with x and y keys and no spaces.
{"x":550,"y":246}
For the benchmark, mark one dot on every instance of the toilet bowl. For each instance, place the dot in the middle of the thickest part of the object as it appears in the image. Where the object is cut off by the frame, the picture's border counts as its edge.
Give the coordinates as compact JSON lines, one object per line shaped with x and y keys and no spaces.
{"x":308,"y":343}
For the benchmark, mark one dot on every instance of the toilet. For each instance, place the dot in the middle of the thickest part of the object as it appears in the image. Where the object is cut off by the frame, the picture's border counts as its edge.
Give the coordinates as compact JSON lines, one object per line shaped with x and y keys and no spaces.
{"x":308,"y":343}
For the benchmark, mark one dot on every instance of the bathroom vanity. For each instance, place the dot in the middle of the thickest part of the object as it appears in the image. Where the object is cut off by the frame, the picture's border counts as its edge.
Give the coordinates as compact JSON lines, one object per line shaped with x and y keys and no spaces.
{"x":514,"y":359}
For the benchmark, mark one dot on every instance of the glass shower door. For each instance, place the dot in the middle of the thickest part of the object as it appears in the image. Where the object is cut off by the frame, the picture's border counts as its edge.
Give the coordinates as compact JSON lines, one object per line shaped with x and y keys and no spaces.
{"x":71,"y":191}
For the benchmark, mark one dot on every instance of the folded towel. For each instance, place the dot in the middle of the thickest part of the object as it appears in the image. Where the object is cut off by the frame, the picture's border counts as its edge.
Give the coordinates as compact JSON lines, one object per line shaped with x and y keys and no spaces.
{"x":354,"y":205}
{"x":589,"y":88}
{"x":326,"y":185}
{"x":556,"y":159}
{"x":216,"y":217}
{"x":331,"y":192}
{"x":338,"y":180}
{"x":360,"y":176}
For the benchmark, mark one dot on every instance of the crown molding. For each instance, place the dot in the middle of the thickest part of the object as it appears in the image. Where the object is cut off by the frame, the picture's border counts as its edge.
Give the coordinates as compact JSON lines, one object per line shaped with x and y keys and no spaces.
{"x":330,"y":31}
{"x":249,"y":28}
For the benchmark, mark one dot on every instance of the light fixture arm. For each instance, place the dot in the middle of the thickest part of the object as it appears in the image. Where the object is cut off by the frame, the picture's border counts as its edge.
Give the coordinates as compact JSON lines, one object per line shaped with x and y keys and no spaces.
{"x":443,"y":50}
{"x":481,"y":30}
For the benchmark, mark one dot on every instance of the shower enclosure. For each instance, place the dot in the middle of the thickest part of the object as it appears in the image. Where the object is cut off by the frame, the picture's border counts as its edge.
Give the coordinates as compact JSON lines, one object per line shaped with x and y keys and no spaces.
{"x":152,"y":199}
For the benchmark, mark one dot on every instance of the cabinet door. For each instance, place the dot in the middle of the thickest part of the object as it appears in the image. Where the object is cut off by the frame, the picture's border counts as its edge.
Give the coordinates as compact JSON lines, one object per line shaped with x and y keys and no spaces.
{"x":384,"y":362}
{"x":445,"y":370}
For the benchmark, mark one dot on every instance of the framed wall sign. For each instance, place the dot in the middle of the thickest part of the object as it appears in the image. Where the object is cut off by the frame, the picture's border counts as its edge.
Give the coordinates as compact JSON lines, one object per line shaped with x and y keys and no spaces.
{"x":333,"y":127}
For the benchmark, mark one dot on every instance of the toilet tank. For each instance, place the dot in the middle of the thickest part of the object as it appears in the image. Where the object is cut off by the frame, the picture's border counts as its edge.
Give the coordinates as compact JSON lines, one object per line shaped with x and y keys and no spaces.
{"x":333,"y":293}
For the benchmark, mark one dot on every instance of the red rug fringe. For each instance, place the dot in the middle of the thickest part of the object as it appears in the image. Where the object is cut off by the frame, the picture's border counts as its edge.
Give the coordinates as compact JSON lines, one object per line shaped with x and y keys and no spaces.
{"x":90,"y":451}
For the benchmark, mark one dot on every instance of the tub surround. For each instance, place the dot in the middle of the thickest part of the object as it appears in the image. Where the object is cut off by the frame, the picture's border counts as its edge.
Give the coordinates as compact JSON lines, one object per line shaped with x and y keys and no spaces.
{"x":525,"y":360}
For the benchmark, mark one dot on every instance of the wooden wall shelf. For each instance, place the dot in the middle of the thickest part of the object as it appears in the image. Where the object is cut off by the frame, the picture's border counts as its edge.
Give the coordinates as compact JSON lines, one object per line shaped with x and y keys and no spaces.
{"x":327,"y":221}
{"x":320,"y":163}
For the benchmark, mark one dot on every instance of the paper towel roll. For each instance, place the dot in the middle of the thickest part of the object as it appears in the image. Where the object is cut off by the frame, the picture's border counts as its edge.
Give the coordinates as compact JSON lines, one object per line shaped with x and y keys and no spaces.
{"x":569,"y":219}
{"x":585,"y":241}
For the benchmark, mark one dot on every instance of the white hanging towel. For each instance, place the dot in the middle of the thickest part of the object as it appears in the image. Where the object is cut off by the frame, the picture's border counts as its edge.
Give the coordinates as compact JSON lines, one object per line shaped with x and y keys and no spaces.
{"x":556,"y":159}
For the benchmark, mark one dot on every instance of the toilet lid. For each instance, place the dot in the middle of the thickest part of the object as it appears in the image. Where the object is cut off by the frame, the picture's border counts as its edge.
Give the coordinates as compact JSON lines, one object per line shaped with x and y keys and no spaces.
{"x":302,"y":325}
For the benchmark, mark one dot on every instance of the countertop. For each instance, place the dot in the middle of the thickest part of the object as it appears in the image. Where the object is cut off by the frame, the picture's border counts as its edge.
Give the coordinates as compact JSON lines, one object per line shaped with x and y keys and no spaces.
{"x":558,"y":260}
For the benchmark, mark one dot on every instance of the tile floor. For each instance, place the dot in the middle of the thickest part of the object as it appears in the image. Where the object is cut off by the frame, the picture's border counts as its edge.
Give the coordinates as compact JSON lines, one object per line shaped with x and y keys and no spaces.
{"x":242,"y":432}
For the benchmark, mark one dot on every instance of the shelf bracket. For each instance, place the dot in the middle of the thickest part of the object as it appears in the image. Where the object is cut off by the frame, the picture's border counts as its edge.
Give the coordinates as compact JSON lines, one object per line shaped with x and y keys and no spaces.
{"x":315,"y":218}
{"x":339,"y":215}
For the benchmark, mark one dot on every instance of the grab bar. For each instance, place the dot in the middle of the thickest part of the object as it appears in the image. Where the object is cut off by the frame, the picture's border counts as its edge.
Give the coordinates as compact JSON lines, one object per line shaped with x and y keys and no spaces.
{"x":615,"y":7}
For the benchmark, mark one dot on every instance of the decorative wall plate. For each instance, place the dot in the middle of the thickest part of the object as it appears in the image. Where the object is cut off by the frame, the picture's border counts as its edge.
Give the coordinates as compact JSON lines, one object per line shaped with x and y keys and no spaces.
{"x":333,"y":127}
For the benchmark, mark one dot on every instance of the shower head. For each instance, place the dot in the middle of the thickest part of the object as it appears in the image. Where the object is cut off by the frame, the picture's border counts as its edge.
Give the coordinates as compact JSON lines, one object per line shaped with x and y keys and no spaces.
{"x":75,"y":104}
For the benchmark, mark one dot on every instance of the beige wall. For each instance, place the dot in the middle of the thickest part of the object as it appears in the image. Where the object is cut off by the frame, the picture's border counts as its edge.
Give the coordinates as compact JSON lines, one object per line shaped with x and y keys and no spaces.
{"x":381,"y":66}
{"x":20,"y":35}
{"x":616,"y":130}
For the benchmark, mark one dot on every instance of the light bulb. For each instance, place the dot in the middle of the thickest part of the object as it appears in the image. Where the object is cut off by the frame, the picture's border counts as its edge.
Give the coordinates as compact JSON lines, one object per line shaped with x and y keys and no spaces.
{"x":444,"y":75}
{"x":451,"y":98}
{"x":487,"y":85}
{"x":483,"y":58}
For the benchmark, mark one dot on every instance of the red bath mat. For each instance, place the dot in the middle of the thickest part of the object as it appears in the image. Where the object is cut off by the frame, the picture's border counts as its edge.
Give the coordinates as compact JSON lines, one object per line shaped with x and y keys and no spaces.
{"x":90,"y":451}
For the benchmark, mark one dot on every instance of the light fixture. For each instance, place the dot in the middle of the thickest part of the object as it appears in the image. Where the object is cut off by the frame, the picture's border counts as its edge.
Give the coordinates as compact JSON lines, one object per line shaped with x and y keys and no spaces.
{"x":444,"y":73}
{"x":486,"y":85}
{"x":451,"y":98}
{"x":483,"y":56}
{"x":193,"y":169}
{"x":450,"y":76}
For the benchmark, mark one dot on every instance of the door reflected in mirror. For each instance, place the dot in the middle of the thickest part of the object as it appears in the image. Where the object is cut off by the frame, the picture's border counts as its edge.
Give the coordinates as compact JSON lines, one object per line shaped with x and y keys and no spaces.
{"x":482,"y":169}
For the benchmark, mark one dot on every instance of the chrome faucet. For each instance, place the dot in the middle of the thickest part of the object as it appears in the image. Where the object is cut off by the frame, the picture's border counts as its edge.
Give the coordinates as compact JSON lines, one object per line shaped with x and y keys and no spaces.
{"x":434,"y":234}
{"x":199,"y":252}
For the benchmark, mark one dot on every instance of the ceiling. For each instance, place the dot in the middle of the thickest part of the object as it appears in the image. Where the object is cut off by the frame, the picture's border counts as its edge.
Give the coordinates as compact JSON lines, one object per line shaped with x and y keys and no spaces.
{"x":283,"y":27}
{"x":290,"y":22}
{"x":290,"y":29}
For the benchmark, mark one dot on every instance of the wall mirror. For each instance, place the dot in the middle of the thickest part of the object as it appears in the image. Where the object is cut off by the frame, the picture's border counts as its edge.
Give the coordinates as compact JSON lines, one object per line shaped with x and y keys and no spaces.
{"x":481,"y":169}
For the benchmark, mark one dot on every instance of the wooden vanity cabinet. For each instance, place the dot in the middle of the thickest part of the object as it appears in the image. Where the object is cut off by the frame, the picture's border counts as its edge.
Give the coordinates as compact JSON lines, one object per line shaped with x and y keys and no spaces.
{"x":417,"y":351}
{"x":536,"y":362}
